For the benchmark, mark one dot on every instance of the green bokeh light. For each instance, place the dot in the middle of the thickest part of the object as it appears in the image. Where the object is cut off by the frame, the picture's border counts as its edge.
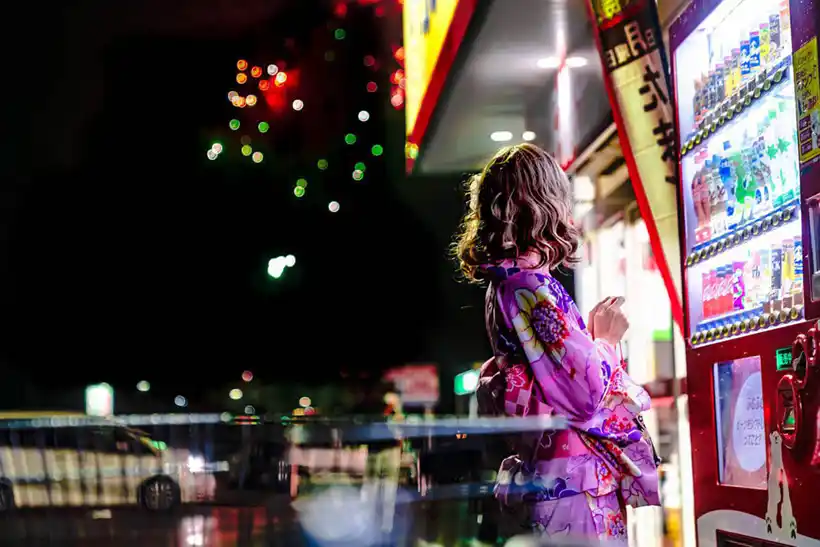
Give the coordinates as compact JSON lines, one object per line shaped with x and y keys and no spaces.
{"x":247,"y":150}
{"x":377,"y":150}
{"x":350,"y":138}
{"x":339,"y":34}
{"x":360,"y":166}
{"x":301,"y":183}
{"x":263,"y":127}
{"x":298,"y":191}
{"x":322,"y":164}
{"x":234,"y":124}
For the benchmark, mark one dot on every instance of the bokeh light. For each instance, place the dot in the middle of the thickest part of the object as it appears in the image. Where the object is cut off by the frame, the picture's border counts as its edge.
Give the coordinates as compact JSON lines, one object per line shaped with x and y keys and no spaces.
{"x":247,"y":150}
{"x":333,"y":206}
{"x":235,"y":394}
{"x":247,"y":376}
{"x":397,"y":100}
{"x":364,"y":115}
{"x":241,"y":78}
{"x":256,"y":71}
{"x":350,"y":138}
{"x":211,"y":155}
{"x":369,"y":60}
{"x":305,"y":402}
{"x":377,"y":150}
{"x":264,"y":85}
{"x":251,"y":100}
{"x":280,"y":79}
{"x":339,"y":34}
{"x":249,"y":409}
{"x":263,"y":127}
{"x":358,"y":175}
{"x":411,"y":150}
{"x":257,"y":157}
{"x":360,"y":166}
{"x":322,"y":164}
{"x":143,"y":386}
{"x":298,"y":105}
{"x":301,"y":183}
{"x":180,"y":401}
{"x":238,"y":101}
{"x":232,"y":95}
{"x":372,"y":87}
{"x":217,"y":147}
{"x":234,"y":124}
{"x":298,"y":191}
{"x":272,"y":69}
{"x":241,"y":64}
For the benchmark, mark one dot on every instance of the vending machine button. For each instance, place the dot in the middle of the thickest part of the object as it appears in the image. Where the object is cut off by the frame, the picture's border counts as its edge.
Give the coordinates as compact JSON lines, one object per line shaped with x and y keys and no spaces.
{"x":767,"y":85}
{"x":778,"y":75}
{"x":758,"y":91}
{"x":746,"y":233}
{"x":736,"y":238}
{"x":710,"y":335}
{"x":787,"y":214}
{"x":785,"y":315}
{"x":756,"y":228}
{"x":763,"y":320}
{"x":772,"y":319}
{"x":721,"y":245}
{"x":735,"y":328}
{"x":796,"y":312}
{"x":724,"y":331}
{"x":695,"y":339}
{"x":769,"y":222}
{"x":690,"y":260}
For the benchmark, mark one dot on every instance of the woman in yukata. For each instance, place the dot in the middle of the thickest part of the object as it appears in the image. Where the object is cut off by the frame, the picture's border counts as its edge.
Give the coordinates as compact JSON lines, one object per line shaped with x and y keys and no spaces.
{"x":573,"y":483}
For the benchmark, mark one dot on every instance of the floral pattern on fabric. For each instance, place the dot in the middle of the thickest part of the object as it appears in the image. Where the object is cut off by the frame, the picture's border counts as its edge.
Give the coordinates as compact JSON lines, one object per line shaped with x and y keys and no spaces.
{"x":551,"y":365}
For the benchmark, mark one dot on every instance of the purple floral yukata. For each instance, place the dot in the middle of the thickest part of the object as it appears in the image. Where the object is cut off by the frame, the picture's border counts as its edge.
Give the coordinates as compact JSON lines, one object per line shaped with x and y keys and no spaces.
{"x":574,"y":482}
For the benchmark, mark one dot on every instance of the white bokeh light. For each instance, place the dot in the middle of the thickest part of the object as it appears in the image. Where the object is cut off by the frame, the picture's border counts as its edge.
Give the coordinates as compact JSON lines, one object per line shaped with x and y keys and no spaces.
{"x":333,"y":206}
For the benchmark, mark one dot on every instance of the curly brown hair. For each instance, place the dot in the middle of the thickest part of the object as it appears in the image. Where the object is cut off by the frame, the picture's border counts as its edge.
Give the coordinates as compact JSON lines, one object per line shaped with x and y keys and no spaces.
{"x":520,"y":203}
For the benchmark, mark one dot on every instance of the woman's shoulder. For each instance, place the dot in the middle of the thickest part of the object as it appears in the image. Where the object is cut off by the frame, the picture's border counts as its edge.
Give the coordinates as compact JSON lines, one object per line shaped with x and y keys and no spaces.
{"x":536,"y":285}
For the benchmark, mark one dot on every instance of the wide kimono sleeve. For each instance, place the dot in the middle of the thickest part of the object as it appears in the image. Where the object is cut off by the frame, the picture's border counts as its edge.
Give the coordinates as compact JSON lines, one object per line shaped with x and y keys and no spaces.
{"x":572,"y":370}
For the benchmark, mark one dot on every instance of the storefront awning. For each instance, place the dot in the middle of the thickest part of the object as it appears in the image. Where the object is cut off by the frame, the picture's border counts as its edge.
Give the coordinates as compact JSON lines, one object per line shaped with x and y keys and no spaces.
{"x":522,"y":70}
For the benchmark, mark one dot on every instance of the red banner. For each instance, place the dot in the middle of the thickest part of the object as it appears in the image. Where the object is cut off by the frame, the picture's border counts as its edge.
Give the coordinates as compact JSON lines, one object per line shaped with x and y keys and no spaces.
{"x":636,"y":76}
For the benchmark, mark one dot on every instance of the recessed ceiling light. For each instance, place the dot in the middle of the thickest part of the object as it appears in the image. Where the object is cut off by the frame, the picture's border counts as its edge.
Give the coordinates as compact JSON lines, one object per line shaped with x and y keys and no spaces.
{"x":576,"y":62}
{"x":528,"y":135}
{"x":501,"y":136}
{"x":549,"y":62}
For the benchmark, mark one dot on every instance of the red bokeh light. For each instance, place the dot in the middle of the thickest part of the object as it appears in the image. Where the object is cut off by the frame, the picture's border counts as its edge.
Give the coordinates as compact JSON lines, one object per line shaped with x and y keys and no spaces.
{"x":256,"y":71}
{"x":340,"y":10}
{"x":247,"y":376}
{"x":241,"y":64}
{"x":264,"y":85}
{"x":372,"y":87}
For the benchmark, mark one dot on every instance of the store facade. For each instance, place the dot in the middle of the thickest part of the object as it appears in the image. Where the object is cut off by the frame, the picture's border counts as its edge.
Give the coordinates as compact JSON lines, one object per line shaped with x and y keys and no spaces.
{"x":533,"y":73}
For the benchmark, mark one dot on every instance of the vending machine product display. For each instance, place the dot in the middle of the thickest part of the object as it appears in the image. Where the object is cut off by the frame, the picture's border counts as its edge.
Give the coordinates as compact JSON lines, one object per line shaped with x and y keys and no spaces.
{"x":746,"y":88}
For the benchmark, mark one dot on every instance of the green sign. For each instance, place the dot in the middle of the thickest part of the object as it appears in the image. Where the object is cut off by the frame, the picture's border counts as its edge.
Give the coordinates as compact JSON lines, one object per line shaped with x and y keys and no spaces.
{"x":783,"y":358}
{"x":466,"y":382}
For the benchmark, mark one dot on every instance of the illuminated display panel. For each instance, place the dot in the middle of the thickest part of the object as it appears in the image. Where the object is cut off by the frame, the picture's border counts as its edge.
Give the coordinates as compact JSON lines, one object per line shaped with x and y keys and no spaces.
{"x":740,"y":423}
{"x":740,"y":172}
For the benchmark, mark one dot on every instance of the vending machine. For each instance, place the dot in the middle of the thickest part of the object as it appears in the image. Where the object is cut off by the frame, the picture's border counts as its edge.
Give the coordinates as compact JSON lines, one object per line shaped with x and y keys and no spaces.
{"x":745,"y":77}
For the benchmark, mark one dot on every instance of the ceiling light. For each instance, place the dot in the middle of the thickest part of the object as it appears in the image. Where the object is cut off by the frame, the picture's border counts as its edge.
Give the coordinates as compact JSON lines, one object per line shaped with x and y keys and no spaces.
{"x":549,"y":62}
{"x":501,"y":136}
{"x":576,"y":62}
{"x":528,"y":135}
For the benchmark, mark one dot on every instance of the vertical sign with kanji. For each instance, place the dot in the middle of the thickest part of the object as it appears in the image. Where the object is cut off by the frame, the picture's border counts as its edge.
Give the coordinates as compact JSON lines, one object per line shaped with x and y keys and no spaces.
{"x":637,"y":81}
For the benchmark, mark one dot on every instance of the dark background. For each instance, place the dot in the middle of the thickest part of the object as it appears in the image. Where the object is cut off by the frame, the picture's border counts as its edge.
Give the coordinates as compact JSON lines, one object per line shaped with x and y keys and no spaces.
{"x":127,"y":255}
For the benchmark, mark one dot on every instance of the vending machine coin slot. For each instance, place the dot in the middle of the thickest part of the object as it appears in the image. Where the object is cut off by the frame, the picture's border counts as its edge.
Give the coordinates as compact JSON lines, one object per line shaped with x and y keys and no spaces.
{"x":788,"y":410}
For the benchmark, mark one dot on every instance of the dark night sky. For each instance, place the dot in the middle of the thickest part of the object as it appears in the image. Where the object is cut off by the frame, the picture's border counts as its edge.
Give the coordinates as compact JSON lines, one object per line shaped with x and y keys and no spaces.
{"x":128,"y":255}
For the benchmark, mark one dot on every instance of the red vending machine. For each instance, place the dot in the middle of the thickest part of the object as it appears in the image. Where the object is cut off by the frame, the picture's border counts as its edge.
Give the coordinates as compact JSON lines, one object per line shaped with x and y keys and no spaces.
{"x":745,"y":76}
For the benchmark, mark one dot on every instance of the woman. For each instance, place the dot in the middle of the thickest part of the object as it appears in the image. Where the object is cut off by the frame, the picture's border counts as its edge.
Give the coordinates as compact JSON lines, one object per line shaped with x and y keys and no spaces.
{"x":574,"y":482}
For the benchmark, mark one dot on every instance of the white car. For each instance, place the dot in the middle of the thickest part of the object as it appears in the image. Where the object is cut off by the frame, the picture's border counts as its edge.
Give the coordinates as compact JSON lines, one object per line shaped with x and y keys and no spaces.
{"x":99,"y":465}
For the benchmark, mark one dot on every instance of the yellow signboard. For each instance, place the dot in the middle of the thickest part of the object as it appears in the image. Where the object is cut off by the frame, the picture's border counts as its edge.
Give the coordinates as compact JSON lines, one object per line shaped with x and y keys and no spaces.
{"x":426,"y":23}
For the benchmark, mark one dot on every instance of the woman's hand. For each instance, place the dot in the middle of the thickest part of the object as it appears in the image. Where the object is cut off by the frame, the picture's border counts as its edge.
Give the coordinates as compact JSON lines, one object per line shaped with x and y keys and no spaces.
{"x":607,"y":320}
